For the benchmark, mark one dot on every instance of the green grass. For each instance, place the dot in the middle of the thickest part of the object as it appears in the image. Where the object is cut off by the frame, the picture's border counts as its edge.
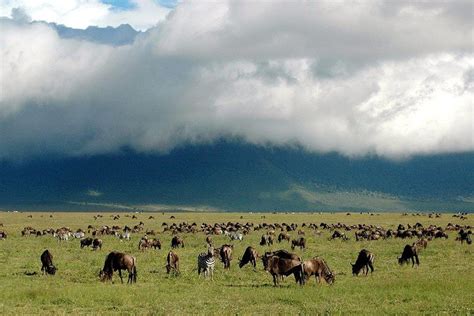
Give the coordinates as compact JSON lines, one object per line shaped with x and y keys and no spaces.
{"x":444,"y":282}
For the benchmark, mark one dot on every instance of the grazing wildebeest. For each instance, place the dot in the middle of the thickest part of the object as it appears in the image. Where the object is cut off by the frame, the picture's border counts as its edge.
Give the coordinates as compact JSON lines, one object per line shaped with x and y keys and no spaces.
{"x":97,"y":244}
{"x":225,"y":254}
{"x":365,"y":260}
{"x":464,"y":236}
{"x":266,"y":240}
{"x":283,"y":236}
{"x":338,"y":234}
{"x":176,"y":242}
{"x":172,"y":263}
{"x":279,"y":266}
{"x":250,"y":255}
{"x":300,"y":242}
{"x":86,"y":242}
{"x":119,"y":261}
{"x":409,"y":252}
{"x":3,"y":235}
{"x":47,"y":265}
{"x":319,"y":268}
{"x":206,"y":263}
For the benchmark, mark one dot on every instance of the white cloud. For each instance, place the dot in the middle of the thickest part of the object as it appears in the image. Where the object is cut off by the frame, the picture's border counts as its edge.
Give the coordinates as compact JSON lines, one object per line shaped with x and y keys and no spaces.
{"x":391,"y":81}
{"x":84,"y":13}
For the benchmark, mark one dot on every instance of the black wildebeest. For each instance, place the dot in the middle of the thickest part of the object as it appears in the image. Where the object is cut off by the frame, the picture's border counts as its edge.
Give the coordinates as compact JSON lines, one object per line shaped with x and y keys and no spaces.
{"x":319,"y":268}
{"x":300,"y":242}
{"x":172,"y":263}
{"x":409,"y":252}
{"x":365,"y":260}
{"x":250,"y":255}
{"x":225,"y":253}
{"x":97,"y":244}
{"x":176,"y":242}
{"x":86,"y":242}
{"x":47,"y":265}
{"x":119,"y":261}
{"x":280,"y":266}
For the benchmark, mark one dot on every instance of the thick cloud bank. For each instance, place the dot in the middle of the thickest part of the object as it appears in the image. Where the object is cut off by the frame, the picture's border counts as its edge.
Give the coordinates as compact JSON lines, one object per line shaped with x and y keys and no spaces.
{"x":388,"y":79}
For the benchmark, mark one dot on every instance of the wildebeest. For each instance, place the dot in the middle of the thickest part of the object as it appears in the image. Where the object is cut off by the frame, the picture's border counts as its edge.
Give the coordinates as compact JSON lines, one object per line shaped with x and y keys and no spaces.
{"x":97,"y":244}
{"x":319,"y":268}
{"x":279,"y":266}
{"x":209,"y":240}
{"x":283,"y":236}
{"x":172,"y":263}
{"x":86,"y":242}
{"x":266,"y":240}
{"x":119,"y":261}
{"x":364,"y":261}
{"x":409,"y":252}
{"x":250,"y":255}
{"x":300,"y":242}
{"x":225,"y":253}
{"x":3,"y":235}
{"x":47,"y":265}
{"x":465,"y":236}
{"x":176,"y":242}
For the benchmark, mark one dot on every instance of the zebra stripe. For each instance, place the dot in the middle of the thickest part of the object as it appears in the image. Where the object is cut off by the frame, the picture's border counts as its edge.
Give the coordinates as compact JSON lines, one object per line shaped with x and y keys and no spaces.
{"x":206,"y":264}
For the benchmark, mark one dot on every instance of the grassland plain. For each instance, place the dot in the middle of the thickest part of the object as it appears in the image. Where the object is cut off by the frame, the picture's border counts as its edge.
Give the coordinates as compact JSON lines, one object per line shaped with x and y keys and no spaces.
{"x":444,"y":282}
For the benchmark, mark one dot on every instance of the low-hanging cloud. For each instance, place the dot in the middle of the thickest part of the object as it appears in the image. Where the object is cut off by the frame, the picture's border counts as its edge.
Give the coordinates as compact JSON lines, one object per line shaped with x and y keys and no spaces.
{"x":391,"y":80}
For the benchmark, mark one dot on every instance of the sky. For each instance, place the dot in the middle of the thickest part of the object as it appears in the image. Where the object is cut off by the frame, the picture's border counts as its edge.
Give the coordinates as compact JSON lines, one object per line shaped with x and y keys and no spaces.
{"x":388,"y":78}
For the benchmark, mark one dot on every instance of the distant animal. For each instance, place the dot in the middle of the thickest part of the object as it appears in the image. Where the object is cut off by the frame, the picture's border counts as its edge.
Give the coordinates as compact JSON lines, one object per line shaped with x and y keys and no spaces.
{"x":236,"y":236}
{"x":364,"y":261}
{"x":250,"y":255}
{"x":266,"y":240}
{"x":47,"y":266}
{"x":279,"y":266}
{"x":172,"y":263}
{"x":300,"y":242}
{"x":3,"y":235}
{"x":225,"y":253}
{"x":409,"y":252}
{"x":206,"y":263}
{"x":86,"y":242}
{"x":465,"y":236}
{"x":338,"y":234}
{"x":97,"y":244}
{"x":209,"y":240}
{"x":283,"y":236}
{"x":319,"y":268}
{"x":421,"y":243}
{"x":176,"y":242}
{"x":119,"y":261}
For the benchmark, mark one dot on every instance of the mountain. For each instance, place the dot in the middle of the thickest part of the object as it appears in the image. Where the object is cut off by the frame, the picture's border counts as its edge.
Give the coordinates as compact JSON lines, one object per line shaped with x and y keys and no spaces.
{"x":239,"y":177}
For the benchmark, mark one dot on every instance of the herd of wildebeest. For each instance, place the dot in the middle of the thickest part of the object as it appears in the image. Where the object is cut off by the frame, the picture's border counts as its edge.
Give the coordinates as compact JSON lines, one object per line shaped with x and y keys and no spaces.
{"x":278,"y":263}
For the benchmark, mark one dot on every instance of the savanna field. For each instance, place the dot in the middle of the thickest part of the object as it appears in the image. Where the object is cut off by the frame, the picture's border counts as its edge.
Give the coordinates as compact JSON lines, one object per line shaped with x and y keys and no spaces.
{"x":443,"y":283}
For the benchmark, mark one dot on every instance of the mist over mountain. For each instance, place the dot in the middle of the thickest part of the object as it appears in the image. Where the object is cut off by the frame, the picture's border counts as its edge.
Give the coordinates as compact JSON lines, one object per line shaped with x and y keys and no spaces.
{"x":237,"y":177}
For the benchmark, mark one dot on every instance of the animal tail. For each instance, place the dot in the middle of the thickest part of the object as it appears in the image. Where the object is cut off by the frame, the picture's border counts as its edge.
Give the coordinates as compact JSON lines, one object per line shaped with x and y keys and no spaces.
{"x":134,"y":270}
{"x":302,"y":273}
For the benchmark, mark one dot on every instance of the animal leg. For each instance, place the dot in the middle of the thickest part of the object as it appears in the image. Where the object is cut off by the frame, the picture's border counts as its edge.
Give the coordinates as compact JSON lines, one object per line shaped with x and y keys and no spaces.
{"x":371,"y":267}
{"x":120,"y":275}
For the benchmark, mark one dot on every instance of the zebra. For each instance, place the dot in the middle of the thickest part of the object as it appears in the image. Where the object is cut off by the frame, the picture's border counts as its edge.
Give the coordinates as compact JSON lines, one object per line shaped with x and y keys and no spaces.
{"x":206,"y":263}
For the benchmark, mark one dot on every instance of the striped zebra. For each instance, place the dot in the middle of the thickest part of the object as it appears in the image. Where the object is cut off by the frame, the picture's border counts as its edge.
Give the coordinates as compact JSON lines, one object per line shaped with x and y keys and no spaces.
{"x":206,"y":263}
